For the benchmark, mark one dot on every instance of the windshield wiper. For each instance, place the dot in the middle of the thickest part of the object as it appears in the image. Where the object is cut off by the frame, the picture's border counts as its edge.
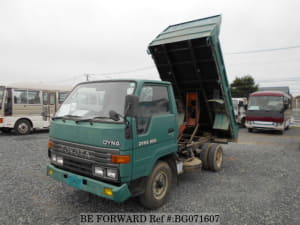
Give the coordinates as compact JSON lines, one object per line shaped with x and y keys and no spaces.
{"x":100,"y":117}
{"x":65,"y":117}
{"x":92,"y":119}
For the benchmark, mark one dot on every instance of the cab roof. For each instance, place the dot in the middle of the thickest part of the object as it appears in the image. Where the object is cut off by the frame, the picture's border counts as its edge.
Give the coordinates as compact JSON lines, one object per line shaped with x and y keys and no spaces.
{"x":129,"y":80}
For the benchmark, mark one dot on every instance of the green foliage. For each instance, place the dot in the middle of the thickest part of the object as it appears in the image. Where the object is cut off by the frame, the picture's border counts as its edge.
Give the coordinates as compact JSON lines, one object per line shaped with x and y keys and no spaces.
{"x":243,"y":86}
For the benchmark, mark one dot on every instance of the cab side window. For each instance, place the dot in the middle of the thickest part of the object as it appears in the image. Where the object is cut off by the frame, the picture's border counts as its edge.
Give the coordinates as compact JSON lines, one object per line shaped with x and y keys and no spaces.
{"x":154,"y":100}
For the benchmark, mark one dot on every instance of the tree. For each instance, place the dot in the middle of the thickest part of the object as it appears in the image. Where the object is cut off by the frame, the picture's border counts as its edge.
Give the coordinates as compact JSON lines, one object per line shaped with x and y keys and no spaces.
{"x":243,"y":86}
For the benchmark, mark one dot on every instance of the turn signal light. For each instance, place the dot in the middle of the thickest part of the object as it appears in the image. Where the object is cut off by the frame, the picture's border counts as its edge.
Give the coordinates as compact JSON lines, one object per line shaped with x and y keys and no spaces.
{"x":120,"y":159}
{"x":50,"y":144}
{"x":1,"y":120}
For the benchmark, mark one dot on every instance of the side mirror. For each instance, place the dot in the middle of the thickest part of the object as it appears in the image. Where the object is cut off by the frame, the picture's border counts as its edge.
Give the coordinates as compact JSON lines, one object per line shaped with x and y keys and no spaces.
{"x":241,"y":104}
{"x":131,"y":105}
{"x":114,"y":115}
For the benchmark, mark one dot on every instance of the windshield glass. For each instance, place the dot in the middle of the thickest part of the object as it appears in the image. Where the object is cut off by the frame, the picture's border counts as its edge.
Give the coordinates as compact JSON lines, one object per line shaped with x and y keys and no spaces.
{"x":96,"y":99}
{"x":1,"y":95}
{"x":270,"y":103}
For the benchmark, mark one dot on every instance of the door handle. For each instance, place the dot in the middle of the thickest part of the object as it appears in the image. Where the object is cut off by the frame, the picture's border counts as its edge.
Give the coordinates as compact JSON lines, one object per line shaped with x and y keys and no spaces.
{"x":170,"y":130}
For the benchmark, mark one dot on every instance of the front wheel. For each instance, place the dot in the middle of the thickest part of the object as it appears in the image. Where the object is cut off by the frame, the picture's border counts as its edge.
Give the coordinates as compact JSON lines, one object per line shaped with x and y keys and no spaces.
{"x":22,"y":127}
{"x":250,"y":130}
{"x":157,"y":186}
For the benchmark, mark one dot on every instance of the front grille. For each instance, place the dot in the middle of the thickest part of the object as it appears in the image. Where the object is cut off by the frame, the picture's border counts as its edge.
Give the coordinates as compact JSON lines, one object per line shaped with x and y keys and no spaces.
{"x":80,"y":158}
{"x":78,"y":167}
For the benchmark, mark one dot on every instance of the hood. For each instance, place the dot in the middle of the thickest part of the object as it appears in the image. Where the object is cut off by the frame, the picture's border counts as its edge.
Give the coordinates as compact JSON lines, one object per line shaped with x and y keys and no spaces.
{"x":107,"y":135}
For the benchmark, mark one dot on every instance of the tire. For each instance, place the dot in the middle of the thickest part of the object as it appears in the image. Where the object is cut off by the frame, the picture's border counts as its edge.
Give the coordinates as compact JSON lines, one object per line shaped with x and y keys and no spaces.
{"x":250,"y":130}
{"x":22,"y":127}
{"x":204,"y":155}
{"x":157,"y":186}
{"x":215,"y":158}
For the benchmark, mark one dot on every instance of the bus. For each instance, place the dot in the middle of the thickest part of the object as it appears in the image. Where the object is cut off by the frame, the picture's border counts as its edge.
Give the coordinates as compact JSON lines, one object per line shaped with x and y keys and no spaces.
{"x":269,"y":110}
{"x":24,"y":108}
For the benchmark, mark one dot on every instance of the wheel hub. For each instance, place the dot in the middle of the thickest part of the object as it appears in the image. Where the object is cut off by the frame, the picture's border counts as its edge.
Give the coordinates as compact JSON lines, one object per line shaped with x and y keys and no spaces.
{"x":23,"y":128}
{"x":219,"y":158}
{"x":160,"y":185}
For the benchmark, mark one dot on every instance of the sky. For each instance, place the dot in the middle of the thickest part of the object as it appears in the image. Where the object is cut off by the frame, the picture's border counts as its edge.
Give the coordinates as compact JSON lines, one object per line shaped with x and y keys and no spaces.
{"x":59,"y":41}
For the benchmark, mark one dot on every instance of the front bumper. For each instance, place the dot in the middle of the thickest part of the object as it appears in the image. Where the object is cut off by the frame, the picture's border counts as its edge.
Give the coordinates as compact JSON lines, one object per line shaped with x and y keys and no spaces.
{"x":120,"y":193}
{"x":265,"y":125}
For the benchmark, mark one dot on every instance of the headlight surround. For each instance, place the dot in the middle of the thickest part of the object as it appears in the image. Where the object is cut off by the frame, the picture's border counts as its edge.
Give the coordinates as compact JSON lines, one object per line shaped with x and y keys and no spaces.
{"x":57,"y":159}
{"x":104,"y":172}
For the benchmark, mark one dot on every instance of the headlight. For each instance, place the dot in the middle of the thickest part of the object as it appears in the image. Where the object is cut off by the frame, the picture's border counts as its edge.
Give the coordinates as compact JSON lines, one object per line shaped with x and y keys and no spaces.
{"x":53,"y":157}
{"x":112,"y":173}
{"x":59,"y":160}
{"x":98,"y":171}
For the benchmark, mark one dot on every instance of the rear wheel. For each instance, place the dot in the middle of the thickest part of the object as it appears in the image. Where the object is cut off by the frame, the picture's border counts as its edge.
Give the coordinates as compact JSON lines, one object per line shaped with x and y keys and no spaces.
{"x":22,"y":127}
{"x":215,"y":158}
{"x":157,"y":186}
{"x":204,"y":155}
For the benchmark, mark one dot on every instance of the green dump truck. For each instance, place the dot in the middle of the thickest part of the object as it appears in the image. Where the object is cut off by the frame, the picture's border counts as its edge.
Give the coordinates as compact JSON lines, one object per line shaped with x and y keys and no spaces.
{"x":123,"y":138}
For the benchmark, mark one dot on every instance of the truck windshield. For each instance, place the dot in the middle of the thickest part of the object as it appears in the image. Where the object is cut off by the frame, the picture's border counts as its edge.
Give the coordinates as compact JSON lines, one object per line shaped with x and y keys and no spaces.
{"x":1,"y":95}
{"x":92,"y":100}
{"x":269,"y":103}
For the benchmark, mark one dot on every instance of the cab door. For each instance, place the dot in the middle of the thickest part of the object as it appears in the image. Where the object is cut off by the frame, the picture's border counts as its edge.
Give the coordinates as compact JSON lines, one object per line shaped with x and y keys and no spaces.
{"x":156,"y":128}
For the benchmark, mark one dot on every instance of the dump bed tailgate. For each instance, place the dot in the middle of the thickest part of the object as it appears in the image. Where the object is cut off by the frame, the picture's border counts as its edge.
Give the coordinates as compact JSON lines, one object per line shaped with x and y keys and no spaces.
{"x":189,"y":56}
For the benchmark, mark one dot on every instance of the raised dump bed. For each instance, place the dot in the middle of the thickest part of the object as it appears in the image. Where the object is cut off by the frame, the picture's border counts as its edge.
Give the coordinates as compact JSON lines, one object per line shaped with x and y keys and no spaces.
{"x":189,"y":55}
